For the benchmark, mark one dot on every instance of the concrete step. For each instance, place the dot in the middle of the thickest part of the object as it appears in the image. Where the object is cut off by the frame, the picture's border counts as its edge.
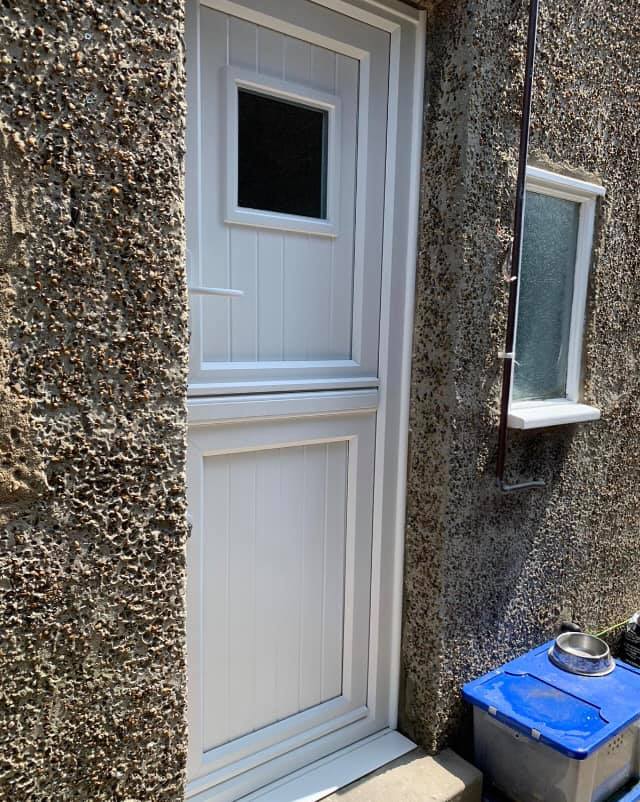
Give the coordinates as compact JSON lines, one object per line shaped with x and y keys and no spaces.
{"x":417,"y":777}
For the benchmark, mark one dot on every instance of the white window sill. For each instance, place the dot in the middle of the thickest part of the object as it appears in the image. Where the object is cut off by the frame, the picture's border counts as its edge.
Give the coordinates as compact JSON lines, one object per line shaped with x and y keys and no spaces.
{"x":538,"y":414}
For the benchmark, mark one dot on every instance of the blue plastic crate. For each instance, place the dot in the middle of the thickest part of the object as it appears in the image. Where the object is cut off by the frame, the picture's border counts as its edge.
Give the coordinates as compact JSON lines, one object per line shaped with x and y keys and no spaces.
{"x":573,"y":714}
{"x":543,"y":733}
{"x":629,"y":795}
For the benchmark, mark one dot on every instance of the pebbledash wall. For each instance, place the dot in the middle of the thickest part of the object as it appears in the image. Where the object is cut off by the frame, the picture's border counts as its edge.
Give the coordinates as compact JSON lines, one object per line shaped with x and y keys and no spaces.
{"x":93,"y":357}
{"x":93,"y":351}
{"x":488,"y":576}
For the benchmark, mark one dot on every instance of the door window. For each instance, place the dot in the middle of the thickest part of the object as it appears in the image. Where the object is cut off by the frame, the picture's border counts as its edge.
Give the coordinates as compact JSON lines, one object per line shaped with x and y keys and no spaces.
{"x":284,"y":143}
{"x":282,"y":156}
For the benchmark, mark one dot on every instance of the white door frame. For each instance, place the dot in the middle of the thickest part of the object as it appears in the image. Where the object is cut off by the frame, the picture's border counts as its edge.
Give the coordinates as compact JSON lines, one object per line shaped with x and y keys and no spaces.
{"x":406,"y":27}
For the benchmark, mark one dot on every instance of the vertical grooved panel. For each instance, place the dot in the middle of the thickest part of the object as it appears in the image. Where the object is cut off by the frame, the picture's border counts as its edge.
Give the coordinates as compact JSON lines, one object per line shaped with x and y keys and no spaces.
{"x":318,"y":292}
{"x":312,"y":575}
{"x":273,"y":585}
{"x":244,"y":310}
{"x":243,"y":43}
{"x":268,"y":558}
{"x":270,"y":52}
{"x":347,"y":72}
{"x":242,"y":588}
{"x":298,"y":288}
{"x":294,"y":295}
{"x":290,"y":528}
{"x":333,"y":559}
{"x":270,"y":299}
{"x":212,"y":268}
{"x":319,"y":267}
{"x":215,"y":601}
{"x":297,"y":60}
{"x":323,"y":69}
{"x":243,"y":257}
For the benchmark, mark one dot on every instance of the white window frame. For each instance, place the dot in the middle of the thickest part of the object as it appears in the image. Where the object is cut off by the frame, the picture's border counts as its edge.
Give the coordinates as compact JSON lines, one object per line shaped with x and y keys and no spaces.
{"x":235,"y":79}
{"x":533,"y":414}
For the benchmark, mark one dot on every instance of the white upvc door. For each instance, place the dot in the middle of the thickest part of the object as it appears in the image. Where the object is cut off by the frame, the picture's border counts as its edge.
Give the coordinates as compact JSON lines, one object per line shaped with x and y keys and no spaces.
{"x":292,"y":624}
{"x":310,"y":313}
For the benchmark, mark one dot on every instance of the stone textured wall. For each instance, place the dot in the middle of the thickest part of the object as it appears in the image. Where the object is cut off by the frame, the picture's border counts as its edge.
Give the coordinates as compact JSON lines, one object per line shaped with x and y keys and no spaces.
{"x":487,"y":575}
{"x":93,"y":351}
{"x":93,"y":337}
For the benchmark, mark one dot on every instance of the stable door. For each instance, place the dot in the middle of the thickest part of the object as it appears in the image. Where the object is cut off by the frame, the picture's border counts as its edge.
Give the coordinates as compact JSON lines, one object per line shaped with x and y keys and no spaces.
{"x":286,"y":182}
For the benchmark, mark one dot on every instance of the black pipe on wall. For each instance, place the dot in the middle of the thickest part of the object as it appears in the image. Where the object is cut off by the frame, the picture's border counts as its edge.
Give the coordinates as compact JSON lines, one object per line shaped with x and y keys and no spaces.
{"x":516,"y":252}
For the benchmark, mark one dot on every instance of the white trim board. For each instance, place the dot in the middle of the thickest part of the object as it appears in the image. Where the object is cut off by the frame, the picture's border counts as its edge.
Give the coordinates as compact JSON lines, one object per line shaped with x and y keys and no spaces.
{"x":391,"y":11}
{"x":550,"y":413}
{"x":324,"y":777}
{"x":537,"y":177}
{"x":275,"y":405}
{"x":209,"y":389}
{"x":327,"y":776}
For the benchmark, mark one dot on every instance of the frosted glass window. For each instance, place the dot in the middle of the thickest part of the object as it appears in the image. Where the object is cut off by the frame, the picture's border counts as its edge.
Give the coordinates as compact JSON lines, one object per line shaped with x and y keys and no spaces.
{"x":282,"y":156}
{"x":547,"y":276}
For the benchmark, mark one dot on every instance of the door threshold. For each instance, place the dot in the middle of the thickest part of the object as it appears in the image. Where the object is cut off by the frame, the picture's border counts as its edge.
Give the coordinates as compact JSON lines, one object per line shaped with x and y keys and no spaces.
{"x":324,"y":777}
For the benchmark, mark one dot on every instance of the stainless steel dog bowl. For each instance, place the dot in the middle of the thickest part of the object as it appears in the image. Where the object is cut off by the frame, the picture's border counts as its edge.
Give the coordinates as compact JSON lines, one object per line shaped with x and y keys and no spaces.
{"x":582,"y":654}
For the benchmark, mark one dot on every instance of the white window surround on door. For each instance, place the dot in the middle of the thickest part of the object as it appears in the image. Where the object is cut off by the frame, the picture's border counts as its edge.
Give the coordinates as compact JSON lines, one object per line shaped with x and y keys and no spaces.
{"x":406,"y":29}
{"x":534,"y":414}
{"x":237,"y":79}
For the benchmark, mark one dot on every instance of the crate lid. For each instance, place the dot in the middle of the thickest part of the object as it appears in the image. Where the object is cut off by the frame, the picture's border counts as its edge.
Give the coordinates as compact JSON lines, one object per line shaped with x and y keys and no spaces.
{"x":574,"y":715}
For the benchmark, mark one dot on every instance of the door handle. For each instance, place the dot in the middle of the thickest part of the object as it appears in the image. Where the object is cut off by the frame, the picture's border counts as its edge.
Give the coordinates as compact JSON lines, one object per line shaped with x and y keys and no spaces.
{"x":224,"y":292}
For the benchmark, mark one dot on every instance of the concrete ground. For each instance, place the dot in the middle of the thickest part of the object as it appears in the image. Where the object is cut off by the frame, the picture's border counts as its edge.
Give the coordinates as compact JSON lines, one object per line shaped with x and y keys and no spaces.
{"x":417,"y":777}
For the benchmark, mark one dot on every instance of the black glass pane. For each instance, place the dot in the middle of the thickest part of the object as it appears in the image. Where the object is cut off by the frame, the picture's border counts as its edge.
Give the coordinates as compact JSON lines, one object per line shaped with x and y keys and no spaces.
{"x":281,"y":156}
